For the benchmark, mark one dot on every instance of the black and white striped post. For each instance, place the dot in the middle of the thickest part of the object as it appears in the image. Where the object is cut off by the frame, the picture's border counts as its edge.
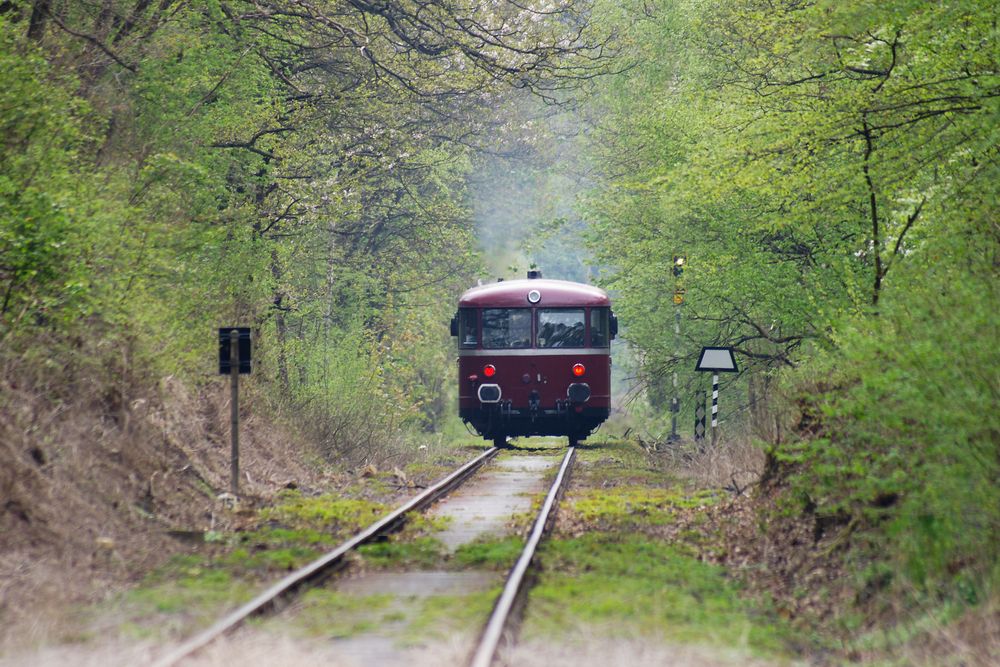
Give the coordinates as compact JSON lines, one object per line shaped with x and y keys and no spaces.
{"x":716,"y":360}
{"x":715,"y":408}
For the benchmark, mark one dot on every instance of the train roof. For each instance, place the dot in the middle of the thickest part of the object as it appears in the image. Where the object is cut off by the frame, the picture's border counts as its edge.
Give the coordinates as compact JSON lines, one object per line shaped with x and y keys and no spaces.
{"x":514,"y":293}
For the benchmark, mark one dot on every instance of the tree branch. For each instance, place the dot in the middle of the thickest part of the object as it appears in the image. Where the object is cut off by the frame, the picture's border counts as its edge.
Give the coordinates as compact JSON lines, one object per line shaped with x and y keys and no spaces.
{"x":93,"y":40}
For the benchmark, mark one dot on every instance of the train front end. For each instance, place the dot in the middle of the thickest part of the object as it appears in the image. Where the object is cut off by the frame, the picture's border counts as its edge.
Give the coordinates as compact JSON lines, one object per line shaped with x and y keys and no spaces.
{"x":534,"y":358}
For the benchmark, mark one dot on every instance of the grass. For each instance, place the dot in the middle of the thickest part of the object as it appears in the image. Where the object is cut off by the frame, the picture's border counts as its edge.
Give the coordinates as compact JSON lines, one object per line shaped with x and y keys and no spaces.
{"x":329,"y":613}
{"x":616,"y":578}
{"x":414,"y":546}
{"x":442,"y":616}
{"x":610,"y":572}
{"x":329,"y":513}
{"x":490,"y":552}
{"x":621,"y":584}
{"x":184,"y":594}
{"x":192,"y":589}
{"x":622,"y":507}
{"x":418,"y":552}
{"x":258,"y":563}
{"x":198,"y":587}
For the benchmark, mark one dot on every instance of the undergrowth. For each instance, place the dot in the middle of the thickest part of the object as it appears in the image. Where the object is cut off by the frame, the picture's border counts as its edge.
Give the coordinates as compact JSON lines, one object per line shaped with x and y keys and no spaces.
{"x":898,"y":441}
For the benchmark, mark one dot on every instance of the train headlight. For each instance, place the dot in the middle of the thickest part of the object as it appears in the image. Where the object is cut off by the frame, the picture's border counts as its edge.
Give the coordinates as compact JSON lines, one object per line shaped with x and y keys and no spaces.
{"x":489,"y":370}
{"x":579,"y":370}
{"x":489,"y":393}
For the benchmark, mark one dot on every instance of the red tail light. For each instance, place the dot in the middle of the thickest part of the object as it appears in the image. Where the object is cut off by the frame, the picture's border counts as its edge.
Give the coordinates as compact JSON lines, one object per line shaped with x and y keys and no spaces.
{"x":579,"y":370}
{"x":489,"y":370}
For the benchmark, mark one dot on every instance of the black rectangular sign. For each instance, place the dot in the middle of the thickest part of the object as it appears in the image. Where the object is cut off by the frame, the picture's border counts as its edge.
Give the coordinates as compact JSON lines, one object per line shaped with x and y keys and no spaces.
{"x":224,"y":366}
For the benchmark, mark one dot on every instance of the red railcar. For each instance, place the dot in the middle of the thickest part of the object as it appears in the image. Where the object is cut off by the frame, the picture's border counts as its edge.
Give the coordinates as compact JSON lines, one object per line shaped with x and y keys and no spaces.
{"x":534,"y":358}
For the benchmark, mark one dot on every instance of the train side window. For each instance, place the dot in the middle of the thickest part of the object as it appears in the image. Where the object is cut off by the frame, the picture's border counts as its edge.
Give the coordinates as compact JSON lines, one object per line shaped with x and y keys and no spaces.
{"x":560,"y":327}
{"x":506,"y":328}
{"x":468,"y":328}
{"x":599,"y":327}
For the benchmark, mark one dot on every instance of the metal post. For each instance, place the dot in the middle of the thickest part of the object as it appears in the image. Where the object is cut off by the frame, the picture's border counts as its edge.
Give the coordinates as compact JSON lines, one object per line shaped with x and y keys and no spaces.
{"x":715,"y":408}
{"x":675,"y":403}
{"x":234,"y":411}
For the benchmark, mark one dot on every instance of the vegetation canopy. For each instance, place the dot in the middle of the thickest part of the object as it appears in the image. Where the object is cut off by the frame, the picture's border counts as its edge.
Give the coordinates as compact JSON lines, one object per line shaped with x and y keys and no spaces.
{"x":830,"y":172}
{"x":315,"y":169}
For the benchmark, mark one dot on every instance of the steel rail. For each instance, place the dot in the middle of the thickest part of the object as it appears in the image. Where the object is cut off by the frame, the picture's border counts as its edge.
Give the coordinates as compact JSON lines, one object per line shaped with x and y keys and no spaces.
{"x":501,"y":616}
{"x":325,"y":562}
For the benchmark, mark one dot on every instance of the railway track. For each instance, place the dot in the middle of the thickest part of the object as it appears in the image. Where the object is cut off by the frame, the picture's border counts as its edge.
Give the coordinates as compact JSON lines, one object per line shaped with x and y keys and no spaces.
{"x":326,"y":563}
{"x":504,"y":621}
{"x":505,"y":618}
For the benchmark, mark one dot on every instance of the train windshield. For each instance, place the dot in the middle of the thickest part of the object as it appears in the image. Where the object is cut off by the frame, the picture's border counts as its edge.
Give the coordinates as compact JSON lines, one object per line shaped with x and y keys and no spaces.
{"x":560,"y":327}
{"x":599,"y":327}
{"x":506,"y":328}
{"x":468,"y":328}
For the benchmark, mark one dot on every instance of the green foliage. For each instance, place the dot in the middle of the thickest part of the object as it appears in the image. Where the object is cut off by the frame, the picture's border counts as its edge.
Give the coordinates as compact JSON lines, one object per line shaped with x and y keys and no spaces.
{"x":170,"y":169}
{"x":41,"y":229}
{"x":910,"y":430}
{"x":830,"y":171}
{"x":798,"y":154}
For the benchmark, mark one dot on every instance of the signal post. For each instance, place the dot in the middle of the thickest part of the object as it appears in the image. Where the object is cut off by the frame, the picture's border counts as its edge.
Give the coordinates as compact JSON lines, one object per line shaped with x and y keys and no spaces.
{"x":234,"y":360}
{"x":675,"y":402}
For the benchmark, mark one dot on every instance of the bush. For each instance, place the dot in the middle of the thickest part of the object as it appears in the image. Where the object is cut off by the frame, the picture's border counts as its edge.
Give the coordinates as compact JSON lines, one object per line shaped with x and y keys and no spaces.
{"x":908,"y":429}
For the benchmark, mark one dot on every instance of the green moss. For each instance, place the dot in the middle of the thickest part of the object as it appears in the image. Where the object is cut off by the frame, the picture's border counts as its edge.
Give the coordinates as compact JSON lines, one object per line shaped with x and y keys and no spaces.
{"x":328,"y":513}
{"x":424,"y":524}
{"x":273,"y":559}
{"x":190,"y":597}
{"x":624,"y":506}
{"x":282,"y":536}
{"x":631,"y":584}
{"x":424,"y":551}
{"x":493,"y":553}
{"x":441,"y":616}
{"x":329,"y":613}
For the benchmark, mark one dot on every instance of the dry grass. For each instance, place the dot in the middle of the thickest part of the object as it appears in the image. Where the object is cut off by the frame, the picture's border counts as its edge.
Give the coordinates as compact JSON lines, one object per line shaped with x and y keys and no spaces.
{"x":91,"y":484}
{"x":734,"y":462}
{"x":971,"y":640}
{"x":253,"y":648}
{"x":633,"y":652}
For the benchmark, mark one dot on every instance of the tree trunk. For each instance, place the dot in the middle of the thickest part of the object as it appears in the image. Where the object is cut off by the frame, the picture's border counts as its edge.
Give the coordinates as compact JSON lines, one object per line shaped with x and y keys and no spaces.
{"x":39,"y":19}
{"x":280,"y":324}
{"x":873,"y":209}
